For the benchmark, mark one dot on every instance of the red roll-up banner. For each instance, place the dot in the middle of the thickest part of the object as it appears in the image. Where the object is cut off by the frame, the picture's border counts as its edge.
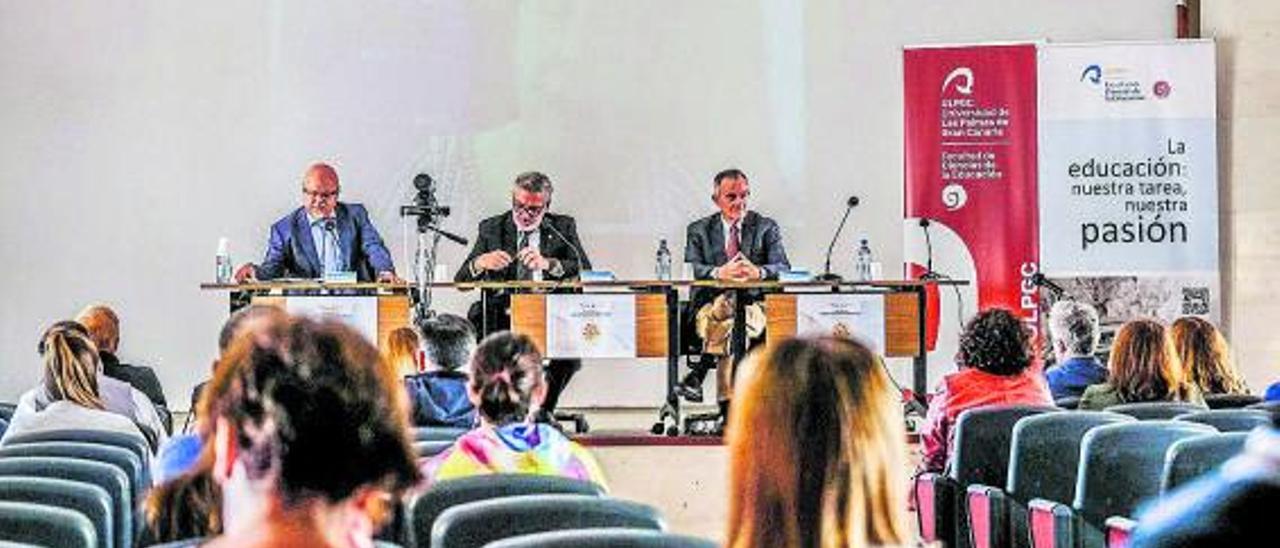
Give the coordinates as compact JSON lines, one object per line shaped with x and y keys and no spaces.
{"x":970,"y":154}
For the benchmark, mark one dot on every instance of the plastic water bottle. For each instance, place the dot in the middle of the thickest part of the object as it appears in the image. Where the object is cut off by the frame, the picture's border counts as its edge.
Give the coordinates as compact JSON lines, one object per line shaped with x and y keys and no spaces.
{"x":222,"y":272}
{"x":662,"y":264}
{"x":862,"y":261}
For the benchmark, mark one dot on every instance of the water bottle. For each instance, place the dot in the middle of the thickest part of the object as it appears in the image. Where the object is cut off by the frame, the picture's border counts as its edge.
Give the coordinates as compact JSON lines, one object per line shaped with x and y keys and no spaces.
{"x":222,"y":272}
{"x":662,"y":265}
{"x":862,"y":261}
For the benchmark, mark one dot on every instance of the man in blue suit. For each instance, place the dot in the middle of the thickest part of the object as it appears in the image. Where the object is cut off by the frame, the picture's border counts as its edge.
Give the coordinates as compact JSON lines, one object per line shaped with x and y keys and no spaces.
{"x":323,"y":236}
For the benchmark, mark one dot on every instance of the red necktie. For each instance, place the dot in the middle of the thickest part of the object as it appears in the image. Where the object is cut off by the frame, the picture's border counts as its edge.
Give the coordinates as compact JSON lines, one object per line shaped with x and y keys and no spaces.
{"x":731,"y":246}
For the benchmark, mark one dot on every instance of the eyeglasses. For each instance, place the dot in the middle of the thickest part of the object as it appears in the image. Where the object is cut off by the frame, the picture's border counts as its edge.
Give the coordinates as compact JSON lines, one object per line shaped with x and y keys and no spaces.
{"x":320,"y":195}
{"x":527,"y":210}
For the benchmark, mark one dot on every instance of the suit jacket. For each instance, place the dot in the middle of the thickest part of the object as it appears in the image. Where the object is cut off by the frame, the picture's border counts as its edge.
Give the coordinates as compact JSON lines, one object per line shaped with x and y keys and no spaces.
{"x":760,"y":241}
{"x":140,"y":377}
{"x":292,"y":253}
{"x":499,"y":232}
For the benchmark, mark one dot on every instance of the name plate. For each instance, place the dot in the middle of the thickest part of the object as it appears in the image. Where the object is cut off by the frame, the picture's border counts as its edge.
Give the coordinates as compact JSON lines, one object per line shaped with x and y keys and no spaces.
{"x":859,"y":316}
{"x":361,"y":313}
{"x":591,"y":326}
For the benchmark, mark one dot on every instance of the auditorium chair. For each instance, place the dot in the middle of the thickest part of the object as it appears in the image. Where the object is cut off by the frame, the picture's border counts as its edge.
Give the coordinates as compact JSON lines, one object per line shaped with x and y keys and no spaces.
{"x":135,"y":444}
{"x":110,"y":478}
{"x":611,"y":537}
{"x":1069,"y":402}
{"x":1156,"y":410}
{"x":475,"y":524}
{"x":1119,"y":529}
{"x":1043,"y":460}
{"x":1272,"y":407}
{"x":1230,"y":401}
{"x":979,"y":455}
{"x":125,"y":460}
{"x":4,"y":425}
{"x":437,"y":433}
{"x":1229,"y":420}
{"x":38,"y":525}
{"x":6,"y":410}
{"x":430,"y":448}
{"x":424,"y":509}
{"x":1191,"y":458}
{"x":1120,"y":466}
{"x":90,"y":500}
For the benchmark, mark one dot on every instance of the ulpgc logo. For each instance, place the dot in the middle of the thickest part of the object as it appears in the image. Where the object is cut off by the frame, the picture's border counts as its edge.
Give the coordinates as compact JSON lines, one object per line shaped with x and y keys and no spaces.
{"x":962,"y":77}
{"x":1092,"y":74}
{"x":1162,"y":89}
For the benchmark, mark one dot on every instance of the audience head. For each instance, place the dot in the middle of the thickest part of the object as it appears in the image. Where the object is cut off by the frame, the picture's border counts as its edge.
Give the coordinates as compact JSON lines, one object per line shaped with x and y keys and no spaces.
{"x":71,"y":365}
{"x":1074,"y":327}
{"x":103,"y":326}
{"x":730,"y":192}
{"x":309,"y":416}
{"x":506,"y":378}
{"x":249,"y":319}
{"x":1206,"y":358}
{"x":530,"y":199}
{"x":448,"y":340}
{"x":401,"y":353}
{"x":1144,"y":365}
{"x":816,"y":448}
{"x":997,"y":342}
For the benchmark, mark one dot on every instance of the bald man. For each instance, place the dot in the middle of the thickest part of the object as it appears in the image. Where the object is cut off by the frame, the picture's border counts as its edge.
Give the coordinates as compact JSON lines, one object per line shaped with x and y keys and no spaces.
{"x":323,"y":236}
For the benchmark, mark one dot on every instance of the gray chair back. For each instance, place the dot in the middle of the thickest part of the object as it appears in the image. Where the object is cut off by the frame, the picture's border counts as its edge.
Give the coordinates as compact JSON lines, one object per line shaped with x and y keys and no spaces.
{"x":110,"y":478}
{"x":476,"y":524}
{"x":1191,"y":458}
{"x":423,"y":510}
{"x":1272,"y":407}
{"x":430,"y":448}
{"x":45,"y":526}
{"x":1122,"y":464}
{"x":437,"y":433}
{"x":1229,"y":420}
{"x":126,"y":460}
{"x":1230,"y":401}
{"x":1156,"y":410}
{"x":7,"y":409}
{"x":90,"y":500}
{"x":611,"y":537}
{"x":135,"y":443}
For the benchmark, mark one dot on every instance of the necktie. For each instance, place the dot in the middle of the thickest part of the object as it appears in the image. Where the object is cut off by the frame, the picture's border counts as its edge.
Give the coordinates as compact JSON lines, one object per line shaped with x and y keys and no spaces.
{"x":731,"y":246}
{"x":522,"y":273}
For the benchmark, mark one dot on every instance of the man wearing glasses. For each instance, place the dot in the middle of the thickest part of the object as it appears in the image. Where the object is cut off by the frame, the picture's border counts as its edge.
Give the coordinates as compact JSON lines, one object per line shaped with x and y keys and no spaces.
{"x":526,"y":243}
{"x":324,"y":236}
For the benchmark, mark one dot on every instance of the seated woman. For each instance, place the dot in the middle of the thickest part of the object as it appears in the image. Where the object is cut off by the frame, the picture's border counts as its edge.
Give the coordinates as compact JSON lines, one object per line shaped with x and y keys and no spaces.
{"x":437,"y":385}
{"x":1144,"y":367}
{"x":68,"y":398}
{"x":310,"y":439}
{"x":507,"y":387}
{"x":995,"y":360}
{"x":816,"y":446}
{"x":1206,"y":358}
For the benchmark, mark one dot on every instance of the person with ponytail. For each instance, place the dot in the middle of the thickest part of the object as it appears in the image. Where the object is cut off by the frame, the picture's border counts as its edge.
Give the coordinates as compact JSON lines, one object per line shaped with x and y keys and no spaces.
{"x":507,"y":388}
{"x":68,"y":396}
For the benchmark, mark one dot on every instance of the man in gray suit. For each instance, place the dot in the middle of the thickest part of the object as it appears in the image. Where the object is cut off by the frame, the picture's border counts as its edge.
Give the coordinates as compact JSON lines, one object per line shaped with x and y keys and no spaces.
{"x":734,"y":244}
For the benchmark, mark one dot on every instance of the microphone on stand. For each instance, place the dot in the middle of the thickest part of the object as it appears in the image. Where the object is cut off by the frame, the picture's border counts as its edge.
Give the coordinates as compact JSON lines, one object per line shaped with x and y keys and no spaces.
{"x":929,"y":273}
{"x":827,"y":275}
{"x":1041,"y":281}
{"x":582,"y":264}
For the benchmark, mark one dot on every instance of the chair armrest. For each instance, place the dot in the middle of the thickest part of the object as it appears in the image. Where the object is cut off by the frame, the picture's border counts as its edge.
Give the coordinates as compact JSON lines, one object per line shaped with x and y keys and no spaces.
{"x":1051,"y":524}
{"x":987,"y":516}
{"x":935,"y":496}
{"x":1119,"y":529}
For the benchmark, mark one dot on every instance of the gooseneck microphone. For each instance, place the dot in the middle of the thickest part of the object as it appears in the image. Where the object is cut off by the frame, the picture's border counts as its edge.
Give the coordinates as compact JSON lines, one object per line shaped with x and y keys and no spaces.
{"x":827,"y":275}
{"x":577,"y":254}
{"x":929,"y":273}
{"x":1040,"y":280}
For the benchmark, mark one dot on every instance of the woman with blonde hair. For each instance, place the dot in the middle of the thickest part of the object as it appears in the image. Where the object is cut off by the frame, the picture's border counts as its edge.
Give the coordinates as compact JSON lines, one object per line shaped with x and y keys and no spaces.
{"x":401,"y":352}
{"x":1144,"y":367}
{"x":1206,"y":358}
{"x":68,"y":397}
{"x":816,"y":449}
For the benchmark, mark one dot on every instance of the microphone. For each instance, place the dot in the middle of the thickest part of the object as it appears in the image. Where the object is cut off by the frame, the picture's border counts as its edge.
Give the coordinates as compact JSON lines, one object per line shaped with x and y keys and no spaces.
{"x":577,"y":253}
{"x":1040,"y":280}
{"x":827,"y":275}
{"x":929,"y":273}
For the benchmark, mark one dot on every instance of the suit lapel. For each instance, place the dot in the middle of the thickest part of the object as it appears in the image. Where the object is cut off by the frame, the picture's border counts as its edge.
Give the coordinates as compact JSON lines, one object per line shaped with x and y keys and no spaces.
{"x":715,"y":238}
{"x":346,"y":234}
{"x":302,"y":235}
{"x":509,"y":244}
{"x":747,"y":236}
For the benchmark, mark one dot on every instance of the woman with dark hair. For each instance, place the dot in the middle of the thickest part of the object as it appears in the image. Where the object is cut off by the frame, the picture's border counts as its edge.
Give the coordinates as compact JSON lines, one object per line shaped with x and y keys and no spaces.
{"x":310,"y":438}
{"x":68,"y":398}
{"x":1144,"y":367}
{"x":816,"y":446}
{"x":1206,"y":358}
{"x":995,"y":360}
{"x":507,"y":388}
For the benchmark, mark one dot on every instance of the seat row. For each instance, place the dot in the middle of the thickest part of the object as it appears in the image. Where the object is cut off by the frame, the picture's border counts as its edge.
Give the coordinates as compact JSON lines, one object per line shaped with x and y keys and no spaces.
{"x":1045,"y":477}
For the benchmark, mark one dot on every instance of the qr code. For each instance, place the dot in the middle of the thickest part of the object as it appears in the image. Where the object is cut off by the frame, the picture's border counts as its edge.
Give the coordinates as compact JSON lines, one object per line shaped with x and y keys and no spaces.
{"x":1195,"y":301}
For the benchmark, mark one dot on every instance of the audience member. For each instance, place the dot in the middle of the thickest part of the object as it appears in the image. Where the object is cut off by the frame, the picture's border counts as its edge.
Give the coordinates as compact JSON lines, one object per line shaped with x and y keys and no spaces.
{"x":401,"y":353}
{"x":816,"y":446}
{"x":104,"y":328}
{"x":69,"y":391}
{"x":439,"y":395}
{"x":1073,"y":326}
{"x":310,"y":439}
{"x":995,"y":360}
{"x":507,"y":387}
{"x":1273,"y":392}
{"x":1206,"y":358}
{"x":1144,"y":367}
{"x":1232,"y":506}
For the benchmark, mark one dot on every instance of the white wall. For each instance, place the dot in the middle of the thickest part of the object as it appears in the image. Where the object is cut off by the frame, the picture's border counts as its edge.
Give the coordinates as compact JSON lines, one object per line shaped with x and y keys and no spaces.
{"x":134,"y":134}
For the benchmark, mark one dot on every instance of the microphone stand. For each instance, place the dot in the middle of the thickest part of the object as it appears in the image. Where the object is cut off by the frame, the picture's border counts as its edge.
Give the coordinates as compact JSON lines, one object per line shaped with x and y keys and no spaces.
{"x":827,"y":275}
{"x":425,"y":256}
{"x":929,"y":272}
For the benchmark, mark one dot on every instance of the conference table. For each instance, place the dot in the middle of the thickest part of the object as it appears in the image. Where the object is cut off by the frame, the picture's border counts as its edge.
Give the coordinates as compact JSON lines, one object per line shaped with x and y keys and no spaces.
{"x":657,"y":313}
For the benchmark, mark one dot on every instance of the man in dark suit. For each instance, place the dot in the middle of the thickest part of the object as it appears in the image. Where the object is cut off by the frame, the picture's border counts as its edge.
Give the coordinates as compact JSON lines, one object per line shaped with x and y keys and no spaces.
{"x":526,"y":243}
{"x":103,"y":326}
{"x":323,"y":236}
{"x":734,"y":244}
